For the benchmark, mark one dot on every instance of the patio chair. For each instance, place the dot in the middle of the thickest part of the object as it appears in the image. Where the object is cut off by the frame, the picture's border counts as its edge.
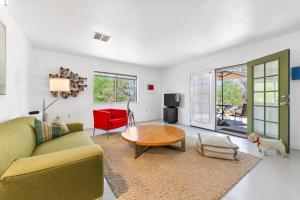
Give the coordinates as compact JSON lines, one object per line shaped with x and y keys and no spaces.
{"x":240,"y":112}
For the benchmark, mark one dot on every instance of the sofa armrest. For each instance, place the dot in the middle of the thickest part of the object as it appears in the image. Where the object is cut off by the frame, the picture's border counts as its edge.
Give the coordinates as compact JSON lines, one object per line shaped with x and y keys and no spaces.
{"x":71,"y":174}
{"x":102,"y":119}
{"x":75,"y":126}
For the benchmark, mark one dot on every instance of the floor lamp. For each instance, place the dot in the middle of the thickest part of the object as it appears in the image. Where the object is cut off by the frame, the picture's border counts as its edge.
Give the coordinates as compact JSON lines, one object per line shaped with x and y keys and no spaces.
{"x":55,"y":85}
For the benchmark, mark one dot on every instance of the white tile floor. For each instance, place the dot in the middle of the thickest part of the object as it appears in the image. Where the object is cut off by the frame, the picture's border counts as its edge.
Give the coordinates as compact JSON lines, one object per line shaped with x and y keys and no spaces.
{"x":274,"y":178}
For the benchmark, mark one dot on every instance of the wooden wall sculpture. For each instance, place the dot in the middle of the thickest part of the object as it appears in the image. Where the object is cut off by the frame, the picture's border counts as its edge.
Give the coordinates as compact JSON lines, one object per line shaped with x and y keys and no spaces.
{"x":77,"y":82}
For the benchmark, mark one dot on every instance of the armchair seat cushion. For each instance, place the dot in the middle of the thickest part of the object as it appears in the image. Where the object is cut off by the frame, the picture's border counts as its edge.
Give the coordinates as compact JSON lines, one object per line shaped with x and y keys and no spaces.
{"x":118,"y":121}
{"x":71,"y":140}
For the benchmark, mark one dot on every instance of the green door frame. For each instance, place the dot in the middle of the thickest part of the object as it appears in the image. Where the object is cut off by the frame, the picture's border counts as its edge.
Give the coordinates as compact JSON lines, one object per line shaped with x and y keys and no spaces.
{"x":284,"y":90}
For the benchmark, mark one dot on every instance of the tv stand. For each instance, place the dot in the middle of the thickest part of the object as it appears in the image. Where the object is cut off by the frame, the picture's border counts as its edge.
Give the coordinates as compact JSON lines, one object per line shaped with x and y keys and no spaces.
{"x":170,"y":115}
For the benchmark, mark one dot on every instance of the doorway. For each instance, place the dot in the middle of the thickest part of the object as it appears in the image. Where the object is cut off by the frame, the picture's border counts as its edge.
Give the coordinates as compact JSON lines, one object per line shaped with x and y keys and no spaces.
{"x":231,"y":100}
{"x":246,"y":98}
{"x":268,"y":96}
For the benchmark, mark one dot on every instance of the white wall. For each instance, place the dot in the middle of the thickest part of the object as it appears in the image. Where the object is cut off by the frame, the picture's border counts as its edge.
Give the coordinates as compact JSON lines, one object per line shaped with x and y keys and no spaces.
{"x":176,"y":79}
{"x":18,"y":60}
{"x":80,"y":108}
{"x":28,"y":69}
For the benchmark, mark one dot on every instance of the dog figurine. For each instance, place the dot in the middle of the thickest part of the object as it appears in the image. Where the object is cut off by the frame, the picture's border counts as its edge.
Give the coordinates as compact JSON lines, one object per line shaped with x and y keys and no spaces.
{"x":264,"y":144}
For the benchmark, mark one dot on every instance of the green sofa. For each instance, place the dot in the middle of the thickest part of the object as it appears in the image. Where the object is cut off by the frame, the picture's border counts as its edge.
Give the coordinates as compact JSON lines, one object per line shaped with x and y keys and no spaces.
{"x":67,"y":167}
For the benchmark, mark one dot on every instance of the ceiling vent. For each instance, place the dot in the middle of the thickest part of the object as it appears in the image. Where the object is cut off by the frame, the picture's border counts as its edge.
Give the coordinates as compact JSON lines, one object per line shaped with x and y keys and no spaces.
{"x":102,"y":37}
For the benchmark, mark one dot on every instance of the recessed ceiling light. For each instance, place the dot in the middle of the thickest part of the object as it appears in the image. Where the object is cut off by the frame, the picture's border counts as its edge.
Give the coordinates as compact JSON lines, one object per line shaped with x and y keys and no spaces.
{"x":102,"y":37}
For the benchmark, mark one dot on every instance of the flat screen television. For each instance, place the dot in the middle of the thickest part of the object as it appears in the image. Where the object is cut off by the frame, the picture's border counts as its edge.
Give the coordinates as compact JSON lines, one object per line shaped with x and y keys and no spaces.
{"x":172,"y":100}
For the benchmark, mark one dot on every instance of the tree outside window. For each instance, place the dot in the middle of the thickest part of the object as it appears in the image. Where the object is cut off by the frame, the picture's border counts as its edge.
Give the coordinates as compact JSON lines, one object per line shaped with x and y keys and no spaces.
{"x":109,"y":87}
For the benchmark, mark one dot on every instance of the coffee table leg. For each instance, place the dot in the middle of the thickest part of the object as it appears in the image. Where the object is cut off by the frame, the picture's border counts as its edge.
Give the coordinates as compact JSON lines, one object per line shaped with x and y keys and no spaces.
{"x":183,"y":145}
{"x":139,"y":150}
{"x":179,"y":148}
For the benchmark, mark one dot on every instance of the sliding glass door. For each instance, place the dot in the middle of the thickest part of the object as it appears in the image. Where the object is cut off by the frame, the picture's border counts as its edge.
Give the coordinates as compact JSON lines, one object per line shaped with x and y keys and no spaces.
{"x":268,"y":96}
{"x":202,"y":99}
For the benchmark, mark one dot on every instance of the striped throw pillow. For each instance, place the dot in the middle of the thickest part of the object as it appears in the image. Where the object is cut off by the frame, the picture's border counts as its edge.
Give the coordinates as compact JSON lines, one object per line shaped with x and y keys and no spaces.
{"x":45,"y":131}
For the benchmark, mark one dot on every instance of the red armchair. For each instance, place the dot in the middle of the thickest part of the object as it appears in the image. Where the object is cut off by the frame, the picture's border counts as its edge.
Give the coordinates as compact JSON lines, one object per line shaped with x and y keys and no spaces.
{"x":108,"y":119}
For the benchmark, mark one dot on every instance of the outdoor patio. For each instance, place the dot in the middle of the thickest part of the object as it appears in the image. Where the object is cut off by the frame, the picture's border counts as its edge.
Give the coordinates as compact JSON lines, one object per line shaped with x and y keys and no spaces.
{"x":231,"y":100}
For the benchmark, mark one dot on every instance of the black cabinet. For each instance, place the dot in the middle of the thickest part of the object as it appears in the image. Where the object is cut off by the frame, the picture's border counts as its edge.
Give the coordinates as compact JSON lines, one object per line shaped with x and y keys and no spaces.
{"x":170,"y":115}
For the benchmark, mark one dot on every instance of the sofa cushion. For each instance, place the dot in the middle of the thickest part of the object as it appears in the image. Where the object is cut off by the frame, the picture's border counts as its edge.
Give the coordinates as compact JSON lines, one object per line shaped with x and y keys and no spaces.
{"x":17,"y":140}
{"x":118,"y":121}
{"x":71,"y":140}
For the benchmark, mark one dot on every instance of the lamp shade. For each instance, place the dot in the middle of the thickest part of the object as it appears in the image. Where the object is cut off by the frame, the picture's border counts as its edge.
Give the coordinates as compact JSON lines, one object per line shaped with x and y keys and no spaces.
{"x":59,"y":84}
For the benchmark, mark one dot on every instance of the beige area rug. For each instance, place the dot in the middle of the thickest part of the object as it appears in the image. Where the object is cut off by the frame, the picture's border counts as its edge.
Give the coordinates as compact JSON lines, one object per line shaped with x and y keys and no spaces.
{"x":162,"y":173}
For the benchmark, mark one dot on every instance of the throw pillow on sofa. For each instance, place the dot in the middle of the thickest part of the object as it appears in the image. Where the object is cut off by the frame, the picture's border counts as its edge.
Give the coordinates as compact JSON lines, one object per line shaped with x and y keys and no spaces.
{"x":45,"y":131}
{"x":58,"y":122}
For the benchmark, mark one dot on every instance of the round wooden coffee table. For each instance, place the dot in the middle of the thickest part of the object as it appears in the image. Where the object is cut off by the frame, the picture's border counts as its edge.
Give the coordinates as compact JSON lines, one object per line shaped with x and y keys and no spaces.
{"x":146,"y":136}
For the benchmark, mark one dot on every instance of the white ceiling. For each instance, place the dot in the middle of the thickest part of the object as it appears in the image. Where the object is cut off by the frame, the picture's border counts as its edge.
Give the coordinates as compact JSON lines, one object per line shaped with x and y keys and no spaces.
{"x":157,"y":33}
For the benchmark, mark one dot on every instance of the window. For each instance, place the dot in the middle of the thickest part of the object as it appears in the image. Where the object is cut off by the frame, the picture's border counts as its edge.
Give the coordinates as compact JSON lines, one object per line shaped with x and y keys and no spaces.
{"x":111,"y":87}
